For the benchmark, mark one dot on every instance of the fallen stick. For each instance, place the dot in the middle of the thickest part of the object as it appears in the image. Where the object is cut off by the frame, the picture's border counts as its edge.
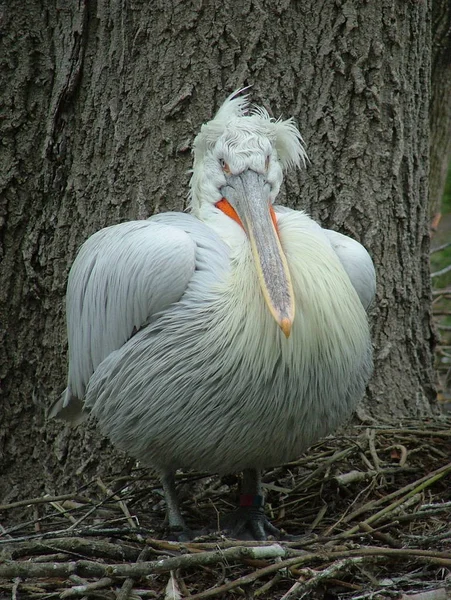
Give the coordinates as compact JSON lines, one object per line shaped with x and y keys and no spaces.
{"x":422,"y":485}
{"x":75,"y":545}
{"x":319,"y":577}
{"x":437,"y":594}
{"x":127,"y":586}
{"x":43,"y":500}
{"x":413,"y":488}
{"x":86,"y":568}
{"x":83,"y":590}
{"x":429,"y":557}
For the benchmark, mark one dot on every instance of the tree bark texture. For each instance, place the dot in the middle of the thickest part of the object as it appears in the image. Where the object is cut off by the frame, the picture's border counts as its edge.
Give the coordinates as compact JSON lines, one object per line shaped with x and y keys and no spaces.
{"x":440,"y":109}
{"x":101,"y":102}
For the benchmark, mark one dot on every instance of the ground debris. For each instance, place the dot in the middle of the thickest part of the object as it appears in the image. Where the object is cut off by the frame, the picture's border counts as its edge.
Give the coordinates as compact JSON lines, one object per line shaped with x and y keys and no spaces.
{"x":367,"y":515}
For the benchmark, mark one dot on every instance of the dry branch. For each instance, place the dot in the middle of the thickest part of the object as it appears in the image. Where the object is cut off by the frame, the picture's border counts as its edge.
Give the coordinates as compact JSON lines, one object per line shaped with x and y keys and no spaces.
{"x":85,"y":568}
{"x":437,"y":594}
{"x":440,"y":248}
{"x":76,"y":546}
{"x":361,"y":554}
{"x":441,"y":272}
{"x":406,"y":492}
{"x":316,"y":578}
{"x":85,"y":589}
{"x":43,"y":500}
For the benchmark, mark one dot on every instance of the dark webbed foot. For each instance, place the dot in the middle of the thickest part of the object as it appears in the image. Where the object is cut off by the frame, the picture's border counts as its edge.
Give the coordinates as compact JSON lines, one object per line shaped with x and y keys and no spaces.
{"x":249,"y":522}
{"x":181,"y":534}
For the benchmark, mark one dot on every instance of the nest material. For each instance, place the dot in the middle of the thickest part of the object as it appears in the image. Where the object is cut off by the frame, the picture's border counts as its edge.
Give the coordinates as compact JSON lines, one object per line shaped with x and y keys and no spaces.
{"x":369,"y":513}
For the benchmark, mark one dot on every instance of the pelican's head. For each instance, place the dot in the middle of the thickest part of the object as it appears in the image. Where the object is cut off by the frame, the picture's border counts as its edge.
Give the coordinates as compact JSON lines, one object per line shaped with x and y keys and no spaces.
{"x":239,"y":159}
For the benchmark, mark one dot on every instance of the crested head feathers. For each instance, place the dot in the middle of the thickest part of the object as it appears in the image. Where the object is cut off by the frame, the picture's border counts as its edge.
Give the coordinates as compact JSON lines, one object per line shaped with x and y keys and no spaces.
{"x":237,"y":118}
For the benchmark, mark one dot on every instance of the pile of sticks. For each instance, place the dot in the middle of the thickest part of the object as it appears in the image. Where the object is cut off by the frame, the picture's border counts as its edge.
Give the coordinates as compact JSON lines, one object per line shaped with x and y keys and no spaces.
{"x":368,"y":515}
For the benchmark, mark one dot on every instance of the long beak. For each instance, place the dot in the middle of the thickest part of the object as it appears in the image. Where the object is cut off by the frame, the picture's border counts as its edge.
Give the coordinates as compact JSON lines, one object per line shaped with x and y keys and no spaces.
{"x":248,"y":193}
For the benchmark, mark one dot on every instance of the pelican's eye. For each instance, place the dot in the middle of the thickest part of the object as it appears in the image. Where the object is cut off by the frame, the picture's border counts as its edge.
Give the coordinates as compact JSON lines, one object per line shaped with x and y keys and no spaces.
{"x":224,"y":166}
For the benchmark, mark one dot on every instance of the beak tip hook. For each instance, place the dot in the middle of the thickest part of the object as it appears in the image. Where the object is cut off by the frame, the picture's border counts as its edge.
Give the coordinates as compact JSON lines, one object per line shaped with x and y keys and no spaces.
{"x":285,"y":326}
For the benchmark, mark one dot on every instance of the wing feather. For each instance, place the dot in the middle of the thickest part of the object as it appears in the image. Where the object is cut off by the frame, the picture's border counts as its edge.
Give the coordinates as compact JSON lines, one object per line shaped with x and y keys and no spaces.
{"x":122,"y":277}
{"x":358,"y":265}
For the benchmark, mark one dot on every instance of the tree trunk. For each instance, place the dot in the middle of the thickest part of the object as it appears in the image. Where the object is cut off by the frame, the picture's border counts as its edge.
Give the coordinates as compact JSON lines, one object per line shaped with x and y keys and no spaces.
{"x":102,"y":101}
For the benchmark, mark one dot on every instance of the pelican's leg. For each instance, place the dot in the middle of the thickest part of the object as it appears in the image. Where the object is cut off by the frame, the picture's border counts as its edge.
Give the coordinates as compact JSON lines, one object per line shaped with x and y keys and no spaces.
{"x":176,"y":522}
{"x":250,"y":517}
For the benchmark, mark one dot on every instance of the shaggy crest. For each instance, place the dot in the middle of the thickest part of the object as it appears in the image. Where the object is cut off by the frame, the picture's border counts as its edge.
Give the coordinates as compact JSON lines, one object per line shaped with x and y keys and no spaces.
{"x":237,"y":116}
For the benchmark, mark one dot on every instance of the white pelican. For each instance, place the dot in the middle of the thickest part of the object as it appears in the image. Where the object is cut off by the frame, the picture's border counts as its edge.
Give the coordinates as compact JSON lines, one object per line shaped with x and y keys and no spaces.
{"x":229,"y":339}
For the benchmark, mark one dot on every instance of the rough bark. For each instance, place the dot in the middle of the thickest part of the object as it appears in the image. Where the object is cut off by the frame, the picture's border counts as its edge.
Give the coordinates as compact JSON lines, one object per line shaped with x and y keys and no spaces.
{"x":440,"y":109}
{"x":101,"y":102}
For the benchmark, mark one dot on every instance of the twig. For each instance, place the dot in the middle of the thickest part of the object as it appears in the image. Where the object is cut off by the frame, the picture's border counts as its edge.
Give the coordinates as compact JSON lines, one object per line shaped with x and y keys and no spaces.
{"x":383,"y":537}
{"x":434,"y":507}
{"x":441,"y":272}
{"x":322,"y":467}
{"x":127,"y":586}
{"x":388,"y":509}
{"x":131,"y":521}
{"x":15,"y":587}
{"x":85,"y":589}
{"x":440,"y":248}
{"x":441,"y":292}
{"x":77,"y":545}
{"x":125,"y":591}
{"x":63,"y":511}
{"x":318,"y":577}
{"x":57,"y":557}
{"x":82,"y":531}
{"x":354,"y":476}
{"x":43,"y":500}
{"x":94,"y":508}
{"x":371,"y":436}
{"x":445,"y":433}
{"x":431,"y":539}
{"x":87,"y":568}
{"x":403,"y":453}
{"x":299,"y":560}
{"x":415,"y":485}
{"x":437,"y":594}
{"x":172,"y":547}
{"x":268,"y":585}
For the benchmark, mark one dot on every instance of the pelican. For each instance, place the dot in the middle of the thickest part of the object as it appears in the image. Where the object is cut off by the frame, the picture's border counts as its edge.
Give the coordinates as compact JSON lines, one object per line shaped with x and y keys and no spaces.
{"x":228,"y":339}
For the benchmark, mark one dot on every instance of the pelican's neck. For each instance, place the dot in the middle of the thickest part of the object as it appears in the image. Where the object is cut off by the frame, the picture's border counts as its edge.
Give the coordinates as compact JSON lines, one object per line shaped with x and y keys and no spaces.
{"x":226,"y":228}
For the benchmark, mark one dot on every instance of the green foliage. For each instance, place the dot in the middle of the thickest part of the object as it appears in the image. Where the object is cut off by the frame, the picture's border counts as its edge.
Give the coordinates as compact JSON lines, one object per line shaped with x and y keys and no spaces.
{"x":442,"y":298}
{"x":442,"y":259}
{"x":446,"y":208}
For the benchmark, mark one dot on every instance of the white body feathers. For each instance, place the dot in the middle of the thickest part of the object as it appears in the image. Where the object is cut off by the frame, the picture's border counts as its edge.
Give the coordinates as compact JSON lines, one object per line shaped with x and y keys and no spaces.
{"x":173,"y":348}
{"x":210,"y":381}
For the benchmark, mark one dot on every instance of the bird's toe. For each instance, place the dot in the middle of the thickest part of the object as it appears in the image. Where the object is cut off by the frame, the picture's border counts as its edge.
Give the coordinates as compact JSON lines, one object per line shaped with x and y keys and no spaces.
{"x":181,"y":534}
{"x":249,"y":523}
